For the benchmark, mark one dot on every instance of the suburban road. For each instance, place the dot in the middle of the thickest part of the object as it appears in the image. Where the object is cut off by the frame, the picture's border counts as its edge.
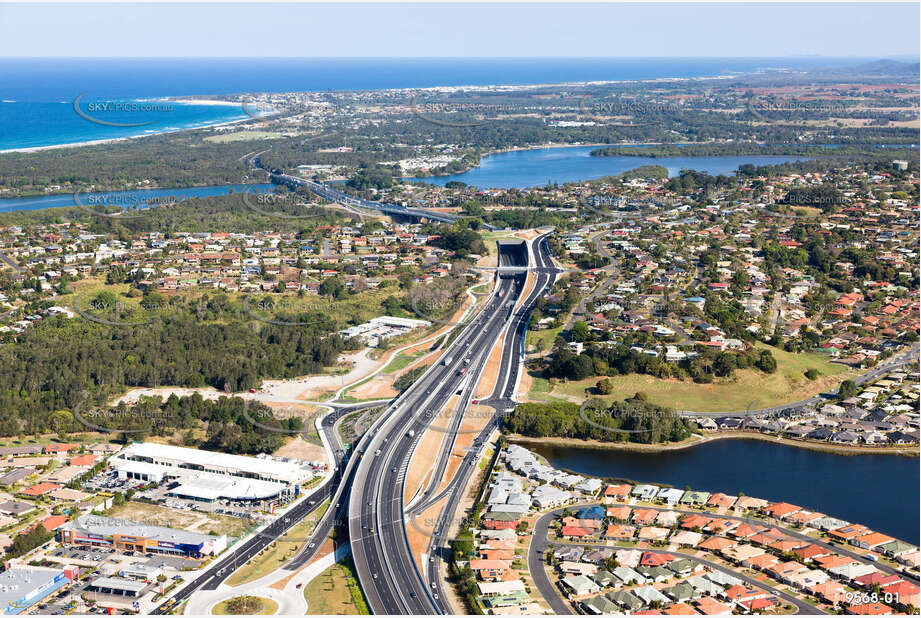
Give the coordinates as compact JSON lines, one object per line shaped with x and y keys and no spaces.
{"x":213,"y":576}
{"x":540,"y":544}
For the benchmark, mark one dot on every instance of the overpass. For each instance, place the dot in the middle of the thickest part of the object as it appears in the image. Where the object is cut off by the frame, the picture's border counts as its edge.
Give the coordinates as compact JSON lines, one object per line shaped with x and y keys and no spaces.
{"x":339,"y":197}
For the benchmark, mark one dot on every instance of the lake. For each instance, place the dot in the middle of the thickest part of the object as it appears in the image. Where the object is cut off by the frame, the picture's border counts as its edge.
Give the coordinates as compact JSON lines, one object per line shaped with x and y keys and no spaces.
{"x":879,"y":491}
{"x":538,"y":166}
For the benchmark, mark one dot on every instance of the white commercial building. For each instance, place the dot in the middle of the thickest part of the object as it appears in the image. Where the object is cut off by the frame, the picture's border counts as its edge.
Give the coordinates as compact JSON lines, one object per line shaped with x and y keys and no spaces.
{"x":376,"y":330}
{"x":208,"y":476}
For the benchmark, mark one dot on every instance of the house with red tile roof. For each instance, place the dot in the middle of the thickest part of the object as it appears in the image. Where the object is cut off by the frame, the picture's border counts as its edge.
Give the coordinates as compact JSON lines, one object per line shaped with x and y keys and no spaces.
{"x":54,"y":522}
{"x":851,"y":531}
{"x":619,"y":532}
{"x":490,"y":570}
{"x":575,"y":532}
{"x":762,"y":562}
{"x":83,"y":460}
{"x":717,"y":544}
{"x":740,"y":593}
{"x":60,"y":448}
{"x":721,"y":500}
{"x":39,"y":489}
{"x":709,"y":606}
{"x":617,"y":492}
{"x":830,"y":592}
{"x":679,"y":609}
{"x":907,"y":593}
{"x":621,"y":513}
{"x":871,"y":540}
{"x":833,"y":560}
{"x":811,"y":552}
{"x":689,"y":522}
{"x":781,"y":510}
{"x":760,"y":604}
{"x":644,"y":516}
{"x":868,"y":609}
{"x":655,"y":559}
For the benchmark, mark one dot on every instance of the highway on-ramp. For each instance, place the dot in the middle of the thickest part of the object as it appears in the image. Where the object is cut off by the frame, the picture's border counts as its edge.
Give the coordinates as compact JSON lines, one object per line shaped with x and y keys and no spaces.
{"x":383,"y":558}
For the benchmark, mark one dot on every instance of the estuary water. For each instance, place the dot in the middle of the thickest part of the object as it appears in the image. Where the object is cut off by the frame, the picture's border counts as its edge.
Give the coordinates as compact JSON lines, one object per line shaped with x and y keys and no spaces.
{"x":879,"y":491}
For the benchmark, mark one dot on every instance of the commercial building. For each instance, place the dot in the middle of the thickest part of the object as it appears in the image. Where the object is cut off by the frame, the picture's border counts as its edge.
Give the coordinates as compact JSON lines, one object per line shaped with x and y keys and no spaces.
{"x":117,"y":586}
{"x":21,"y":587}
{"x":127,"y":535}
{"x":207,"y":476}
{"x":377,"y":330}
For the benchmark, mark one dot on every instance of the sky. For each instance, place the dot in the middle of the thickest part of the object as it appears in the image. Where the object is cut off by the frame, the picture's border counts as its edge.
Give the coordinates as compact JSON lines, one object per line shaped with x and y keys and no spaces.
{"x":459,"y":30}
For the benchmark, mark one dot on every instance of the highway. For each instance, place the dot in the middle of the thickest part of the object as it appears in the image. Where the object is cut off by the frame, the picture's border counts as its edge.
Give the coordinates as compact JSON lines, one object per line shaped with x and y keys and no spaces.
{"x":377,"y":526}
{"x":215,"y":575}
{"x":339,"y":197}
{"x":502,"y":400}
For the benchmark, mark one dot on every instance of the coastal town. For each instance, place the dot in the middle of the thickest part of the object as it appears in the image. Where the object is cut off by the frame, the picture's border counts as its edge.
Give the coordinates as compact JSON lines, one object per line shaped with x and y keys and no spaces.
{"x":460,"y":309}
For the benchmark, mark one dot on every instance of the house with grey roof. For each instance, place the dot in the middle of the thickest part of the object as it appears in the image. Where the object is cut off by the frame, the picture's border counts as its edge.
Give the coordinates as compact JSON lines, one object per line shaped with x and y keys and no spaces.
{"x":580,"y":584}
{"x":626,"y":600}
{"x":649,"y":595}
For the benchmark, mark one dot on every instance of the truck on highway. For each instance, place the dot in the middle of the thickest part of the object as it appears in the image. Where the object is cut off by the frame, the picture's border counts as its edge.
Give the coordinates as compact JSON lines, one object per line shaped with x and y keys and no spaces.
{"x":446,"y":361}
{"x":410,"y":433}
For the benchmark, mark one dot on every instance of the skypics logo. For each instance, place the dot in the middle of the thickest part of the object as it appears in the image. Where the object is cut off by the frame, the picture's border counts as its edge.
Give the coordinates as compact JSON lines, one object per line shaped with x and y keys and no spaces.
{"x":132,"y":113}
{"x":458,"y":114}
{"x":439,"y":305}
{"x":619,"y":111}
{"x":107,"y":308}
{"x":121,"y":109}
{"x":287,"y":204}
{"x":769,"y":109}
{"x":287,"y":311}
{"x":595,"y":414}
{"x":259,"y":108}
{"x":133,"y":420}
{"x":123,"y":205}
{"x":452,"y":419}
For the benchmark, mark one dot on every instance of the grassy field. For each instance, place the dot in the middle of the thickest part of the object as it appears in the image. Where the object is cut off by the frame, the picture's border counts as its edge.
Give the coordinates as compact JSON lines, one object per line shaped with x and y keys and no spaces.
{"x":278,"y":552}
{"x":546,"y":336}
{"x":747,"y":388}
{"x":242,"y":136}
{"x":187,"y":520}
{"x":268,"y":608}
{"x":336,"y":591}
{"x":402,"y":361}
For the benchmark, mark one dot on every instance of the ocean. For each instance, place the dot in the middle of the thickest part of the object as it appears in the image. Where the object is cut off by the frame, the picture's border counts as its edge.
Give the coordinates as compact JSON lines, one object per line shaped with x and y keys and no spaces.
{"x":37,"y":95}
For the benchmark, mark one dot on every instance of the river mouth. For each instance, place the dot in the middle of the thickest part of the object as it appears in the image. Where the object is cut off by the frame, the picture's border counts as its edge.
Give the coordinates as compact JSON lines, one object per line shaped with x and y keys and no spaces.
{"x":866,"y":489}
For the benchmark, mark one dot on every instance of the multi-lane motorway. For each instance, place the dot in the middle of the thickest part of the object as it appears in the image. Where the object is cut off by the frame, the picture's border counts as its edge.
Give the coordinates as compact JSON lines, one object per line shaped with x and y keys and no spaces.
{"x":215,"y":575}
{"x":389,"y":575}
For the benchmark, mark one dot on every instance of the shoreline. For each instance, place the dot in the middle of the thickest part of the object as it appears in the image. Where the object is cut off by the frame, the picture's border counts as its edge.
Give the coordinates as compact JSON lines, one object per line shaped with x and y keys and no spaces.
{"x":845,"y":451}
{"x":443,"y":89}
{"x":112,"y":140}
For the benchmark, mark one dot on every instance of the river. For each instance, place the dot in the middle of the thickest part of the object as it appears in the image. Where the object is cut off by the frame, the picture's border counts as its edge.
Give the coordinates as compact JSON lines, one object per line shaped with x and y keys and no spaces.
{"x":140,"y":198}
{"x":879,"y":491}
{"x":538,"y":166}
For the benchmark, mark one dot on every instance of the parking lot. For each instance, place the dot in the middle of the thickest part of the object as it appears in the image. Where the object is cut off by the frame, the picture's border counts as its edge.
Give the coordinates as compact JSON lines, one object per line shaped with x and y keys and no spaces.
{"x":107,"y":562}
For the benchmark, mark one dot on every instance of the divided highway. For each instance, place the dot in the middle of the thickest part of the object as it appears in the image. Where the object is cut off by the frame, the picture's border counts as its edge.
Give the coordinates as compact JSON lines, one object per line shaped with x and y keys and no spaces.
{"x":215,"y":575}
{"x":377,"y":524}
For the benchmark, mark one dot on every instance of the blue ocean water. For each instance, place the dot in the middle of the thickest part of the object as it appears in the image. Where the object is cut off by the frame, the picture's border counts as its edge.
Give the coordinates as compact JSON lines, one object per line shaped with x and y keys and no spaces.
{"x":37,"y":94}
